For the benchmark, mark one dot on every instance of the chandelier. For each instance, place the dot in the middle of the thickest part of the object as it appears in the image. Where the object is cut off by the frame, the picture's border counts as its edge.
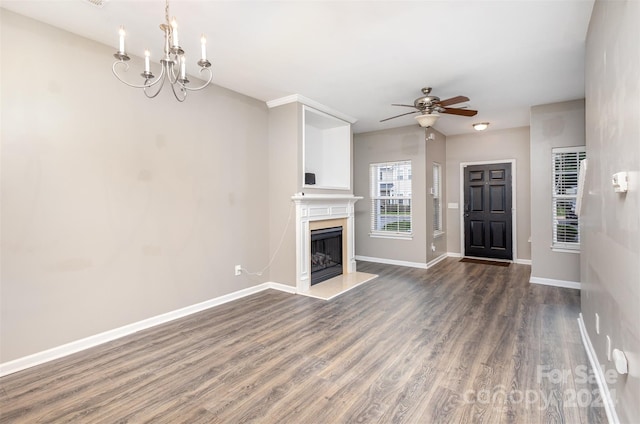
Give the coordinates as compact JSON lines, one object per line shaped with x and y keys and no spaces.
{"x":173,"y":63}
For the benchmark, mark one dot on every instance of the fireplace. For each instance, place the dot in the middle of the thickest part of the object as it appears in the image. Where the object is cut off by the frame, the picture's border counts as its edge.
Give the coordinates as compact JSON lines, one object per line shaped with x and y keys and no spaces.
{"x":319,"y":212}
{"x":326,"y":254}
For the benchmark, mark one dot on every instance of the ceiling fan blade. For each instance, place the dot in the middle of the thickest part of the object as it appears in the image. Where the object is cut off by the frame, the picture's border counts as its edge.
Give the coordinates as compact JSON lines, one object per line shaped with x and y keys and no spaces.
{"x":457,"y":111}
{"x":397,"y":116}
{"x":396,"y":104}
{"x":453,"y":101}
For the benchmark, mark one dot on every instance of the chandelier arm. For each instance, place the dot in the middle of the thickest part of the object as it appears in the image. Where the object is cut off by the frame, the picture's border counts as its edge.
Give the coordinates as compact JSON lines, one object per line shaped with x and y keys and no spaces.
{"x":151,"y":96}
{"x":203,"y":85}
{"x":120,"y":62}
{"x":171,"y":65}
{"x":182,"y":90}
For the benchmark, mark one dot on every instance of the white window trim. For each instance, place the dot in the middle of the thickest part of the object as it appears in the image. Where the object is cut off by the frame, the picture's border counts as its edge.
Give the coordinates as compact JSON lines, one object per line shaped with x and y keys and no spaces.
{"x":437,"y":192}
{"x":559,"y":249}
{"x":389,"y":234}
{"x":396,"y":236}
{"x":563,"y":247}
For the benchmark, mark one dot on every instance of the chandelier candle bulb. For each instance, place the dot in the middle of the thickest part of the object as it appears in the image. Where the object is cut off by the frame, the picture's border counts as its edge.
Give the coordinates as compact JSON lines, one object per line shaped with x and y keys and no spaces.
{"x":147,"y":67}
{"x":203,"y":41}
{"x":183,"y":68}
{"x":122,"y":34}
{"x":174,"y":33}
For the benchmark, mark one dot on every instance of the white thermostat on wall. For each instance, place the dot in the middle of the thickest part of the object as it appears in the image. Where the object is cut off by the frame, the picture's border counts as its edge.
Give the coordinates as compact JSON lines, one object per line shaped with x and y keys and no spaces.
{"x":619,"y":181}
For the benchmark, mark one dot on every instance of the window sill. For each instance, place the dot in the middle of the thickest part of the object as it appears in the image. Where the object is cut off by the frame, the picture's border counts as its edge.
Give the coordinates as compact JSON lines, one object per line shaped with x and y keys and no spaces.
{"x":560,"y":249}
{"x":392,"y":236}
{"x":438,"y":234}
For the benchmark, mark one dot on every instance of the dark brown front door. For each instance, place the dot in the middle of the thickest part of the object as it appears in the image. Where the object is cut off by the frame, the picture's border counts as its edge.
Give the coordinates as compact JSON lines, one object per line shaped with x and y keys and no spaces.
{"x":487,"y":211}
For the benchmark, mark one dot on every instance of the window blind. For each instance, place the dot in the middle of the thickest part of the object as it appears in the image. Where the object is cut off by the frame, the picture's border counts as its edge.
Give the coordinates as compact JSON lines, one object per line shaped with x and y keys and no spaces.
{"x":437,"y":196}
{"x":566,"y":168}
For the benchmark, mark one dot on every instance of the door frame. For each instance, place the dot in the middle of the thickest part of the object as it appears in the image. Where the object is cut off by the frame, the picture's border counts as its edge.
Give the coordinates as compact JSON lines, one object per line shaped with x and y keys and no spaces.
{"x":514,"y":223}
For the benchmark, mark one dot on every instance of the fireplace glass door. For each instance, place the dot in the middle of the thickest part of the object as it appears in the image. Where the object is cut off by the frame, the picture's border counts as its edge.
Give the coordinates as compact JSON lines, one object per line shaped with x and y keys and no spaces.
{"x":326,"y":254}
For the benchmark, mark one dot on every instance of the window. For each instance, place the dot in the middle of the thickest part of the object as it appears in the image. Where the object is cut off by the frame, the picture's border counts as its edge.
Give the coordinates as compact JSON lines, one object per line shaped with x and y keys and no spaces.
{"x":390,"y":185}
{"x":437,"y":199}
{"x":566,"y":167}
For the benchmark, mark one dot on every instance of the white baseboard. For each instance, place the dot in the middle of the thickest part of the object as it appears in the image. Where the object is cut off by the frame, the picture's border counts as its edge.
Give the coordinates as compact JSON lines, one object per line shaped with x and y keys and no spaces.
{"x":436,"y":260}
{"x":454,"y":254}
{"x":391,"y":262}
{"x":278,"y":286}
{"x":403,"y":263}
{"x":605,"y":394}
{"x":555,"y":283}
{"x":107,"y":336}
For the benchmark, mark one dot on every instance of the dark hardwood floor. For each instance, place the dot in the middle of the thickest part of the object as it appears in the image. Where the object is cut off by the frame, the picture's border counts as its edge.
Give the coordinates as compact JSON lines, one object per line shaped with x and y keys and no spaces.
{"x":458,"y":343}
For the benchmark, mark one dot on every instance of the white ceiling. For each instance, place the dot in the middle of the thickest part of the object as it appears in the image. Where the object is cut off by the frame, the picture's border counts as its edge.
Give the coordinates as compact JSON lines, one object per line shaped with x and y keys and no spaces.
{"x":358,"y":57}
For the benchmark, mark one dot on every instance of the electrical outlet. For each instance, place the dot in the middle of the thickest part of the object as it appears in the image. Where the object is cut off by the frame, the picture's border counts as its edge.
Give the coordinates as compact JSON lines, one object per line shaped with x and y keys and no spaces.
{"x":597,"y":323}
{"x":608,"y":348}
{"x":238,"y":269}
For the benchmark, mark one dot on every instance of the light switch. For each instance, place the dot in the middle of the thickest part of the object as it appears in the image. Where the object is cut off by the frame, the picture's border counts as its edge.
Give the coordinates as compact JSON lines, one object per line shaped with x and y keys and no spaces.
{"x":620,"y":182}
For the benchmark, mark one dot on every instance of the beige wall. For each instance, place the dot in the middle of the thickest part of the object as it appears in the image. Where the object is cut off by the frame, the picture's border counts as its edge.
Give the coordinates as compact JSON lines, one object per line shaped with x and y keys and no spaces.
{"x":610,"y":259}
{"x":284,"y":156}
{"x":490,"y":146}
{"x":553,"y":125}
{"x":405,"y":143}
{"x":116,"y":208}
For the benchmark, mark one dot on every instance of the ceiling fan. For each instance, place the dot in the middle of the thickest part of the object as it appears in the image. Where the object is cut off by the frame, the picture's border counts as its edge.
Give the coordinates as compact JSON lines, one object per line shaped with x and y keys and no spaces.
{"x":429,"y":106}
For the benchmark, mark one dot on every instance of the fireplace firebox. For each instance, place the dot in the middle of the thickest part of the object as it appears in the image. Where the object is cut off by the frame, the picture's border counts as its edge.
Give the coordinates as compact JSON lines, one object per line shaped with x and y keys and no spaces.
{"x":326,"y":254}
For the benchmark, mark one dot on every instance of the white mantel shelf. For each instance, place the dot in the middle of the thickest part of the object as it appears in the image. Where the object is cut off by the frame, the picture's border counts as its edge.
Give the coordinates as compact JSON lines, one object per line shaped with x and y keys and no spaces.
{"x":319,"y":207}
{"x":320,"y":197}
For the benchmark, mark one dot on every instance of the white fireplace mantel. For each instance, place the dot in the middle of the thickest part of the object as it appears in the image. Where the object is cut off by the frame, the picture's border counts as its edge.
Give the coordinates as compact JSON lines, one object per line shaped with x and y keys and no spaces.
{"x":320,"y":207}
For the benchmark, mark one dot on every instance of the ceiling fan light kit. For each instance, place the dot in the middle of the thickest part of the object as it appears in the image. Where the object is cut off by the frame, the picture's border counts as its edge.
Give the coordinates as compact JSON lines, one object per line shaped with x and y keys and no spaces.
{"x":480,"y":126}
{"x":173,"y":63}
{"x":427,"y":120}
{"x":430,"y":106}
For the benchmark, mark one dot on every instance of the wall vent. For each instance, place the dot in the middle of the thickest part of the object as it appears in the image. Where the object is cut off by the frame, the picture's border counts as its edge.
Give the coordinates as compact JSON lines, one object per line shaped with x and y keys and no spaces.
{"x":96,"y":3}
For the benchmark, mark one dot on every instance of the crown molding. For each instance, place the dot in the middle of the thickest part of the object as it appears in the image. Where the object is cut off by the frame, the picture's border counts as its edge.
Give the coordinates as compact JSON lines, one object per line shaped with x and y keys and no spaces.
{"x":311,"y":103}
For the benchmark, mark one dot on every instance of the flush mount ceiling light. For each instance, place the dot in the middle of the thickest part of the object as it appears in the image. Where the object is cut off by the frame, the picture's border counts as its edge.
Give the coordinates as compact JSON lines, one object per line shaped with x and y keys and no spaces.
{"x":481,"y":126}
{"x":427,"y":119}
{"x":173,"y":63}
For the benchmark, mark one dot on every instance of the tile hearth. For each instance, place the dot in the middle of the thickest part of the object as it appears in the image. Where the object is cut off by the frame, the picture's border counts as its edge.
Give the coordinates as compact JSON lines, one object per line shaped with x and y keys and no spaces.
{"x":335,"y":286}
